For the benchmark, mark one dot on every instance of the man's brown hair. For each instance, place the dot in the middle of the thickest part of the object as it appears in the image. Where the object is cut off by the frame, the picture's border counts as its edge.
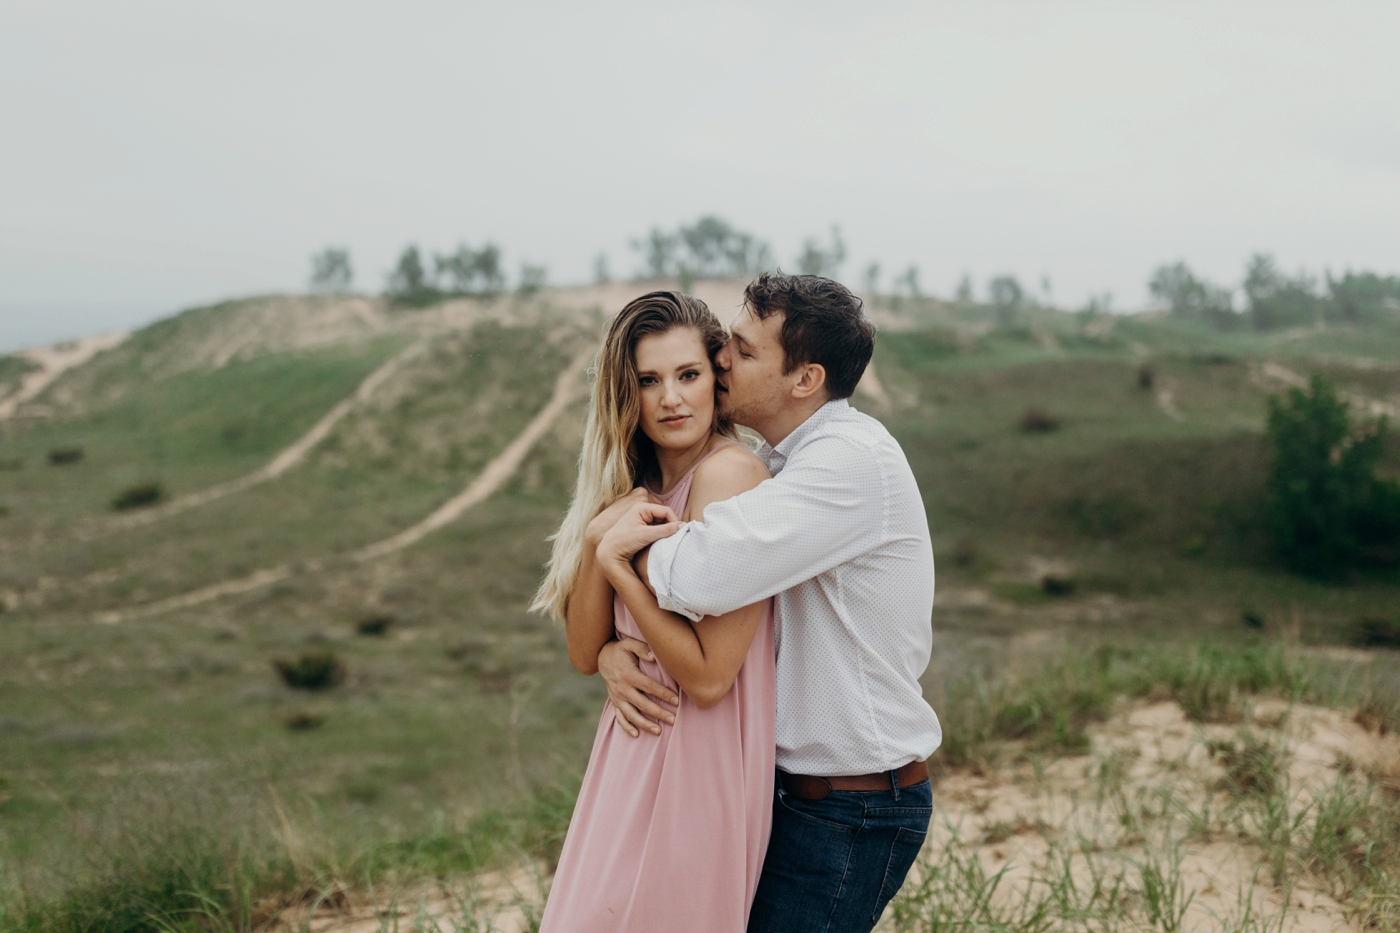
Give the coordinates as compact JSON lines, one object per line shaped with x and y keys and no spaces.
{"x":823,"y":323}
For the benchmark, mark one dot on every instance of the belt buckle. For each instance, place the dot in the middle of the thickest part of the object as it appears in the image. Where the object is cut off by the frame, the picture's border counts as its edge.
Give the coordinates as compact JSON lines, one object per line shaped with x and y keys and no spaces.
{"x":826,"y":792}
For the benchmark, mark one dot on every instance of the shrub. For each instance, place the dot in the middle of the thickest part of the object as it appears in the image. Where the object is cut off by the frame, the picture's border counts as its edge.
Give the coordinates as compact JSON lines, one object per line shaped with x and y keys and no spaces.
{"x":305,"y":722}
{"x":1253,"y":766}
{"x":61,"y":456}
{"x":135,"y":497}
{"x":1373,"y":632}
{"x":964,"y":552}
{"x":1328,"y":511}
{"x":375,"y":624}
{"x":1037,"y":421}
{"x":1146,"y":377}
{"x":315,"y":671}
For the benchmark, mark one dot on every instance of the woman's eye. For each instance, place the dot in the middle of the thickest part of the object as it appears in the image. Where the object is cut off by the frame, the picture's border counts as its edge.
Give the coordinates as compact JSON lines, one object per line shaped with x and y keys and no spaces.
{"x":648,"y":380}
{"x":690,"y":374}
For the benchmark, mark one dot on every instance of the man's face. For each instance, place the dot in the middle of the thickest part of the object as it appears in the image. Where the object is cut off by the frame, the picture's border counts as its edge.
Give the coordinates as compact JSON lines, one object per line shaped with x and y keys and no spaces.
{"x":753,"y":386}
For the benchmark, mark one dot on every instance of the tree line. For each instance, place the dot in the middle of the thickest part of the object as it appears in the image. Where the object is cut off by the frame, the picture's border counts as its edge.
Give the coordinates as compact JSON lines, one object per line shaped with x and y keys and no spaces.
{"x":1273,"y":299}
{"x":711,"y":247}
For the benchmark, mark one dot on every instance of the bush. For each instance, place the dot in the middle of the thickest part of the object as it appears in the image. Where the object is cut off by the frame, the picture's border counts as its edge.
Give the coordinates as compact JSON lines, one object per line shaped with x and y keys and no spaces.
{"x":138,"y":496}
{"x":1328,"y":511}
{"x":1375,"y":632}
{"x":316,"y":671}
{"x":1037,"y":421}
{"x":61,"y":456}
{"x":305,"y":722}
{"x":375,"y":625}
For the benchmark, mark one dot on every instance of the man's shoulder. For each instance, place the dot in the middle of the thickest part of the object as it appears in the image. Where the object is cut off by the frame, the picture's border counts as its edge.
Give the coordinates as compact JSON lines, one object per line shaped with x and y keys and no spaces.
{"x":848,"y":427}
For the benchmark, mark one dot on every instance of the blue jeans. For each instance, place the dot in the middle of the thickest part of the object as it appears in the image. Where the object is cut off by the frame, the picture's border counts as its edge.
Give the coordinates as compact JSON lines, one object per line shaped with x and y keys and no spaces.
{"x":834,"y":864}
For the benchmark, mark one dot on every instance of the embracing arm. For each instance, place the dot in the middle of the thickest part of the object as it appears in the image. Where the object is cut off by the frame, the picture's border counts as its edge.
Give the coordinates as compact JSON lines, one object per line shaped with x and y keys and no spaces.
{"x":704,"y":658}
{"x":588,"y":616}
{"x":814,"y":516}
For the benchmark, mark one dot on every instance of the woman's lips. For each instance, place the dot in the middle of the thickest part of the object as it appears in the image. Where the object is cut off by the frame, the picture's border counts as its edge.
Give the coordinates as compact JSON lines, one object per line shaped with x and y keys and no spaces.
{"x":675,"y":420}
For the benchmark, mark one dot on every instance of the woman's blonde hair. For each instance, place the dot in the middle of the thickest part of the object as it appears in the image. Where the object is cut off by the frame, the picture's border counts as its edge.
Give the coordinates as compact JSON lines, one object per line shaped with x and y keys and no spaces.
{"x":617,"y":456}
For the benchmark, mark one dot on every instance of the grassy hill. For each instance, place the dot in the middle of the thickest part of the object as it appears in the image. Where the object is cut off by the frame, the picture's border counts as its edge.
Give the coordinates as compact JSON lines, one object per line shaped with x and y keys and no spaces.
{"x":128,"y":731}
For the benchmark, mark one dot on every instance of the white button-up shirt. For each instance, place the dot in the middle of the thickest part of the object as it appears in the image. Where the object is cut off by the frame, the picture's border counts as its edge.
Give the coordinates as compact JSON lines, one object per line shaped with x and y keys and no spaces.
{"x":839,"y":535}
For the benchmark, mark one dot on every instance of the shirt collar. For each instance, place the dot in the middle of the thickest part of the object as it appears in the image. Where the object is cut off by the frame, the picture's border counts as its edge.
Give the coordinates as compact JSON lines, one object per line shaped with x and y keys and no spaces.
{"x":777,"y":457}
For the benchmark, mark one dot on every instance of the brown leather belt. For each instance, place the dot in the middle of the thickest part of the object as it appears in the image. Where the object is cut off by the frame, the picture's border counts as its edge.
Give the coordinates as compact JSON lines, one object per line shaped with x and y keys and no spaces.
{"x":808,"y":787}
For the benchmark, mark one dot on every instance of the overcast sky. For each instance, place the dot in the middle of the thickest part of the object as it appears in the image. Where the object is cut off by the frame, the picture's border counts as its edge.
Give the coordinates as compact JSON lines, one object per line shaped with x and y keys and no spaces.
{"x":157,"y":155}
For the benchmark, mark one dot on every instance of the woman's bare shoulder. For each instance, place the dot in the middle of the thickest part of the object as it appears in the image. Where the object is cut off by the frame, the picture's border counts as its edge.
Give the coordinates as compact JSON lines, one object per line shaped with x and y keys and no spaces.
{"x":725,"y":474}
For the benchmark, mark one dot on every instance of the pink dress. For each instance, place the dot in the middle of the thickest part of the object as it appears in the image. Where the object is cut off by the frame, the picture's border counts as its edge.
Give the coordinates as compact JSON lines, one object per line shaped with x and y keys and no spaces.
{"x":670,"y":831}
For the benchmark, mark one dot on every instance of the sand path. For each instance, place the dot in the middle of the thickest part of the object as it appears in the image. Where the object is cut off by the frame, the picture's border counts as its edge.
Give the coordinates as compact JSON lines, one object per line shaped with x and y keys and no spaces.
{"x":567,"y":387}
{"x":53,"y":362}
{"x":1269,"y":375}
{"x":284,"y":461}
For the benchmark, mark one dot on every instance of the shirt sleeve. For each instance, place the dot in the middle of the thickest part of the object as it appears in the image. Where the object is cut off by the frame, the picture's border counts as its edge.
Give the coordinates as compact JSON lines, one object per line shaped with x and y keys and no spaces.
{"x":825,"y":507}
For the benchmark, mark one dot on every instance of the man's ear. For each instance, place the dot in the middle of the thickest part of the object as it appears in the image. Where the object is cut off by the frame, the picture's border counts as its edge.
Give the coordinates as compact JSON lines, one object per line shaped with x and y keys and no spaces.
{"x":811,"y":379}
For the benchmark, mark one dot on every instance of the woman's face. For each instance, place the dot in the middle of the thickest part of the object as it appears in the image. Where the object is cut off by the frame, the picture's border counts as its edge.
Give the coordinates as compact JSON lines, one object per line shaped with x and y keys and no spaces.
{"x":677,"y":385}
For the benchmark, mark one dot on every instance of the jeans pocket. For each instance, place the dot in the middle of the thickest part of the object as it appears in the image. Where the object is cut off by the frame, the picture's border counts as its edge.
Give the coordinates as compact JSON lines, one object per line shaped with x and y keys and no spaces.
{"x":903,"y":852}
{"x":818,"y":812}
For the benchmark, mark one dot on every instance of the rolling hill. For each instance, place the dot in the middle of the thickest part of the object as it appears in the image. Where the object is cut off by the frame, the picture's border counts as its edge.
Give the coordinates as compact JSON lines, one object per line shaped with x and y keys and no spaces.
{"x":338,"y":474}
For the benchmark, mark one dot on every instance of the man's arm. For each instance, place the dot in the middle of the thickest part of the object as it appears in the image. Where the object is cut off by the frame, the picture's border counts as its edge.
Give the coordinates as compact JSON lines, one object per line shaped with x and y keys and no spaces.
{"x":816,"y":514}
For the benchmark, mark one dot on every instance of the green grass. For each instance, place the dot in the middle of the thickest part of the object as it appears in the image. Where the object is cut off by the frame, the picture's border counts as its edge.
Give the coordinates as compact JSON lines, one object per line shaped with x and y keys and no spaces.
{"x":456,"y":737}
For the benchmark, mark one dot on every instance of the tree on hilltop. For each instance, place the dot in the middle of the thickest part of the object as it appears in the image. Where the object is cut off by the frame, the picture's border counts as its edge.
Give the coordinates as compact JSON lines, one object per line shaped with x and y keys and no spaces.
{"x":708,"y":248}
{"x":472,"y":272}
{"x":409,"y":280}
{"x":1192,"y":298}
{"x":816,"y":259}
{"x":1007,"y":296}
{"x":330,"y":270}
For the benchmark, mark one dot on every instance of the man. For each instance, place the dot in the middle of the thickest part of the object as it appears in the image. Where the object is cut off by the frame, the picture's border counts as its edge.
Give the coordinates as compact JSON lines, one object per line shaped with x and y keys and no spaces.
{"x":839,"y":535}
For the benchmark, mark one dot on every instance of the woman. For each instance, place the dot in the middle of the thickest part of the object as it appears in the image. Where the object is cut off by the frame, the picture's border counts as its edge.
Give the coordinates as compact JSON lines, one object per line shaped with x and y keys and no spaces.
{"x":670,"y":829}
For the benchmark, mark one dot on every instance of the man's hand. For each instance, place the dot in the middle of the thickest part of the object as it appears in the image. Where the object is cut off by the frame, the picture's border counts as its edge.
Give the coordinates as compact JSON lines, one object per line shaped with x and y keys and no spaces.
{"x":602,"y":523}
{"x":643,"y":525}
{"x":628,"y":687}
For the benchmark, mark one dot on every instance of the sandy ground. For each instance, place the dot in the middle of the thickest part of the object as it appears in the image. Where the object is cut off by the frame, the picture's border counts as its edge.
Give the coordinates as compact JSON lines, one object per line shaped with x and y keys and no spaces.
{"x":54,"y":361}
{"x":1016,"y":811}
{"x":1005,"y":817}
{"x":1270,"y":375}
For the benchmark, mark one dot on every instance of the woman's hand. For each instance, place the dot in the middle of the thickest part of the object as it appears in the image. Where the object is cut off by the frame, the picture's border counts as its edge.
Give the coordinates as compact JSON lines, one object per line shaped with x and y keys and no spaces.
{"x":628,"y":687}
{"x":604,"y":520}
{"x":642,"y":526}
